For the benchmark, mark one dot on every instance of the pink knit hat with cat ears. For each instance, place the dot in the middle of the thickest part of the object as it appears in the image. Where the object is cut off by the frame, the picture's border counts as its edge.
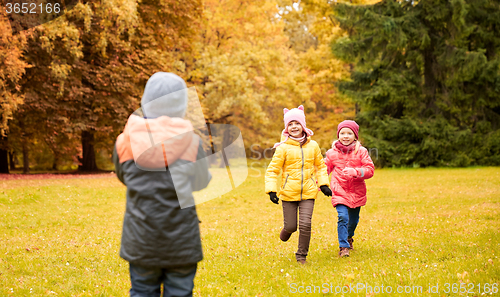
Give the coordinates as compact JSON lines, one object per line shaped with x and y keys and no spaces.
{"x":295,"y":114}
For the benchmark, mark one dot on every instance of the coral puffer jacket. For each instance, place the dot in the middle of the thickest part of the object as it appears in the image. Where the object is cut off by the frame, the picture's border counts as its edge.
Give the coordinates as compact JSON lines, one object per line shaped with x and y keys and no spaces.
{"x":349,"y":191}
{"x":301,"y":166}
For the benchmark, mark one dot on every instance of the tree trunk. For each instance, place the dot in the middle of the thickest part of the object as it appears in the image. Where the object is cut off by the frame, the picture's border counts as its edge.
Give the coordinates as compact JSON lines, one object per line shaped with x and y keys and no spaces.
{"x":54,"y":164}
{"x":55,"y":153}
{"x":88,"y":159}
{"x":226,"y":141}
{"x":56,"y":158}
{"x":12,"y":161}
{"x":26,"y":159}
{"x":430,"y":81}
{"x":4,"y":161}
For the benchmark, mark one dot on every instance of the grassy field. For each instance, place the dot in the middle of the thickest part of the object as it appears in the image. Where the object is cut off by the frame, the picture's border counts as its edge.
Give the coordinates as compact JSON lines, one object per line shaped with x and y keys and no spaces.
{"x":422,"y":229}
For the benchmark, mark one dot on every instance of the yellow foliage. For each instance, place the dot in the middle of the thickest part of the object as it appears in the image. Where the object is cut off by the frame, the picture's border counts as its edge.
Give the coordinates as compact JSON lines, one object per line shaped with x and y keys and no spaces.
{"x":12,"y":67}
{"x":245,"y":71}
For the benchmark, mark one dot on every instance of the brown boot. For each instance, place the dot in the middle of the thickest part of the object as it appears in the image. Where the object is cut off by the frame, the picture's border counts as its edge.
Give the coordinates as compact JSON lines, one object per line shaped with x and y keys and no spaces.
{"x":284,"y":236}
{"x":344,"y":252}
{"x":350,"y":240}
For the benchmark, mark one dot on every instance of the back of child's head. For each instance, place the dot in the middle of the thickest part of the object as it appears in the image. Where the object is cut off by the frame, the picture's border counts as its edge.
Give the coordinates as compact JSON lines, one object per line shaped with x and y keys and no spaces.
{"x":165,"y":94}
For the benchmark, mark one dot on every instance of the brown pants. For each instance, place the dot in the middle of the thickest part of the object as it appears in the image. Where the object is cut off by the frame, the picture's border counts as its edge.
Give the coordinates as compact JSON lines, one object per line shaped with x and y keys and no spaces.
{"x":305,"y":208}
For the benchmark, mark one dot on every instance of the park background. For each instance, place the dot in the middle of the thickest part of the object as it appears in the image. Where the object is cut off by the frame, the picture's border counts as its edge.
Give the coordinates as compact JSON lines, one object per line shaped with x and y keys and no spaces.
{"x":420,"y":77}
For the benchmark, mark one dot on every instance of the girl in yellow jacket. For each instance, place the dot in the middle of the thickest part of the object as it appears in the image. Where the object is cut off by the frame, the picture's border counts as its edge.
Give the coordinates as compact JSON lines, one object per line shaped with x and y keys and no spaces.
{"x":300,"y":160}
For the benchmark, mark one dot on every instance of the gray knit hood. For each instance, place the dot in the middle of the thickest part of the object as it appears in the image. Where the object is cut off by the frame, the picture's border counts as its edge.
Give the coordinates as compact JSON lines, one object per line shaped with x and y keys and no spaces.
{"x":165,"y":94}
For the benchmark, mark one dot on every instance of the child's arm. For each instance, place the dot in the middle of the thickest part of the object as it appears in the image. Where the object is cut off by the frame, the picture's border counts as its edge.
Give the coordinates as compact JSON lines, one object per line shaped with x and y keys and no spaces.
{"x":273,"y":170}
{"x":202,"y":176}
{"x":118,"y":166}
{"x":321,"y":168}
{"x":329,"y":164}
{"x":367,"y":168}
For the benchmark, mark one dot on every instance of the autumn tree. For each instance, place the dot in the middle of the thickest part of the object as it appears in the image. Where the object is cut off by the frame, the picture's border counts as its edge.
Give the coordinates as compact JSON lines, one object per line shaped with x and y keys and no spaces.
{"x":426,"y":76}
{"x":91,"y":64}
{"x":244,"y":70}
{"x":12,"y":67}
{"x":311,"y":28}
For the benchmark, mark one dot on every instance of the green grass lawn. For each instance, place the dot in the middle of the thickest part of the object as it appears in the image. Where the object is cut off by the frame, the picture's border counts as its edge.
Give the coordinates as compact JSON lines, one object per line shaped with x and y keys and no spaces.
{"x":420,"y":227}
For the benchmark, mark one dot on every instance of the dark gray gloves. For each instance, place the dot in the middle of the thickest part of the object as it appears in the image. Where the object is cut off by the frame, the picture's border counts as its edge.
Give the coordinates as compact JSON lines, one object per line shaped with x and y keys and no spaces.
{"x":273,"y":197}
{"x":326,"y":190}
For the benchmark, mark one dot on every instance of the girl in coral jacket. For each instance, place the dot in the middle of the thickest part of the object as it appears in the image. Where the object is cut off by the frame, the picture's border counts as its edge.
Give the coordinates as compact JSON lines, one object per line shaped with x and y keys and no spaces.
{"x":300,"y":160}
{"x":350,"y":164}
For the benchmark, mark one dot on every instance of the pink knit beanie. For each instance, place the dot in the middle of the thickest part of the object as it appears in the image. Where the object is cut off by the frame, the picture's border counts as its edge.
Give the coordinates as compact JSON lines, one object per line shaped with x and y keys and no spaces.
{"x":351,"y":125}
{"x":294,"y":114}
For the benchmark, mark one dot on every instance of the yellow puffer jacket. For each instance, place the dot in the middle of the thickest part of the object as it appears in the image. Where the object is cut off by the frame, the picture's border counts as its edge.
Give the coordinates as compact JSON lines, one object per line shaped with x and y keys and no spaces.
{"x":301,"y":166}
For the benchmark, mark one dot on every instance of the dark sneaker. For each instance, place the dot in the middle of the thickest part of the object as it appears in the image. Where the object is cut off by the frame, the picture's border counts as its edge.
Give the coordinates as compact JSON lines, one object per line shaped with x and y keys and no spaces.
{"x":350,"y":240}
{"x":344,"y":252}
{"x":284,"y":236}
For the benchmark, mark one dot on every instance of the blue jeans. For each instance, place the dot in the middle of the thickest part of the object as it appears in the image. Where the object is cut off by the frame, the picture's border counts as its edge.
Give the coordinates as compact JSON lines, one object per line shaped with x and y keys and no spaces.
{"x":146,"y":281}
{"x":348,"y":220}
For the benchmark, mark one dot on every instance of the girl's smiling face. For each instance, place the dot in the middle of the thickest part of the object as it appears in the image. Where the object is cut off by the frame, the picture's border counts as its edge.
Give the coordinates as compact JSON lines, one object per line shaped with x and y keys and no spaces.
{"x":346,"y":136}
{"x":295,"y":129}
